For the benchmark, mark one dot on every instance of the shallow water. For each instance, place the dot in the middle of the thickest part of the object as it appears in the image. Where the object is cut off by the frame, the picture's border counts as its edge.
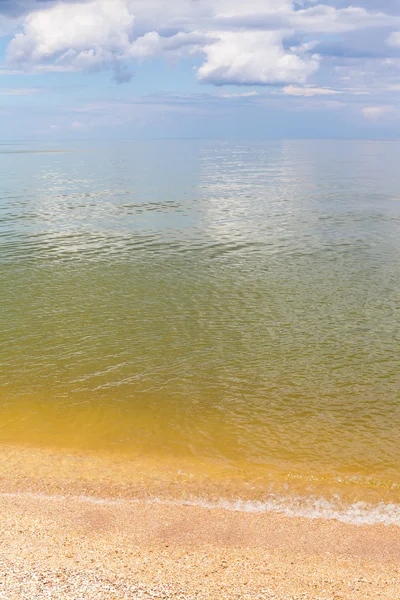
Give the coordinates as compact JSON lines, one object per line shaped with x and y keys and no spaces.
{"x":231,"y":302}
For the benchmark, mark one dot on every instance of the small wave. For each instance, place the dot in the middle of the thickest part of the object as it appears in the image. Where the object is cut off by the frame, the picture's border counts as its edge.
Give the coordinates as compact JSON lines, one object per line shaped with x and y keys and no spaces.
{"x":358,"y":513}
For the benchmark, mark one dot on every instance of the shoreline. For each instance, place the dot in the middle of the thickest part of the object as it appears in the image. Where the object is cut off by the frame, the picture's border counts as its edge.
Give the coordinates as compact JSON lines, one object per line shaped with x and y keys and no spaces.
{"x":107,"y":477}
{"x":68,"y":532}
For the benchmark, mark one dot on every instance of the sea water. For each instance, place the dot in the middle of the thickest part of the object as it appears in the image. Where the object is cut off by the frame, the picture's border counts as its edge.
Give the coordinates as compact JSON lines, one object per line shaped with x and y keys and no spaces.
{"x":233,"y":304}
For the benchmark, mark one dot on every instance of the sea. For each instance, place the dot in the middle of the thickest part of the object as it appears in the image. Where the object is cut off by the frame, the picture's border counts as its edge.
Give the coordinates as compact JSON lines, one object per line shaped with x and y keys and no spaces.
{"x":232,"y":307}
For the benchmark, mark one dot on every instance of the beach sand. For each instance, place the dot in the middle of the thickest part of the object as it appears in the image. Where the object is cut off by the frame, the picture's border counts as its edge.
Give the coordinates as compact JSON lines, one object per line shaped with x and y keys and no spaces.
{"x":60,"y":537}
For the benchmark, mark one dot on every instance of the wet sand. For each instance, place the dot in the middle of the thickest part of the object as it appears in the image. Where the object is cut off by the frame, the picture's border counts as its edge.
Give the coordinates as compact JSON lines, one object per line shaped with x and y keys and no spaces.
{"x":59,"y":540}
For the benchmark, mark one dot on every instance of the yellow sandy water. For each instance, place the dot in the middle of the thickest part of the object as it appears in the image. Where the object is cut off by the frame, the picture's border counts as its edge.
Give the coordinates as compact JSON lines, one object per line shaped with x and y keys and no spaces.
{"x":234,"y":305}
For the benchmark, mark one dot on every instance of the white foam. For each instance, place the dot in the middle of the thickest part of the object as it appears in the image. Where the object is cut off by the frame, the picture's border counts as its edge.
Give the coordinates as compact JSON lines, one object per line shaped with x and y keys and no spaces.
{"x":309,"y":507}
{"x":359,"y":513}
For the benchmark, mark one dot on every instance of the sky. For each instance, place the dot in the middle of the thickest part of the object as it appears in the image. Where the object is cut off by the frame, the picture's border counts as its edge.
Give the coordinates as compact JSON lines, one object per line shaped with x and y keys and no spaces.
{"x":254,"y":69}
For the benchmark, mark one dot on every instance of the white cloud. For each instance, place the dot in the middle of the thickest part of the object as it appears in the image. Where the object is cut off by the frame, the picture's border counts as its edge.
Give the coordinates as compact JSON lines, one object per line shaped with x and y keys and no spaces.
{"x":96,"y":34}
{"x":18,"y":92}
{"x":152,"y":44}
{"x":308,"y":91}
{"x":327,"y":19}
{"x":317,"y":19}
{"x":238,"y":95}
{"x":376,"y":112}
{"x":243,"y":42}
{"x":78,"y":125}
{"x":394,"y":39}
{"x":88,"y":34}
{"x":253,"y":58}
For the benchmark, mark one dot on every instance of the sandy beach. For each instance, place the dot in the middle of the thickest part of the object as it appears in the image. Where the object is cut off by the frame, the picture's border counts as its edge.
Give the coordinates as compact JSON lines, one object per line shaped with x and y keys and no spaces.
{"x":78,"y":544}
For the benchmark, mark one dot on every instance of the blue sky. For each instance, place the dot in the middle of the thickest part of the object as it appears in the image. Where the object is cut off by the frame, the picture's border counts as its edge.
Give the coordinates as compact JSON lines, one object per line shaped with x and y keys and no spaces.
{"x":199,"y":68}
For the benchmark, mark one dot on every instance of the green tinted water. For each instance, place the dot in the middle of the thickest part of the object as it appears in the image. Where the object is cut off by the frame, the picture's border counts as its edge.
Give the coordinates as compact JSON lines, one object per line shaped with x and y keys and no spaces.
{"x":233,"y":302}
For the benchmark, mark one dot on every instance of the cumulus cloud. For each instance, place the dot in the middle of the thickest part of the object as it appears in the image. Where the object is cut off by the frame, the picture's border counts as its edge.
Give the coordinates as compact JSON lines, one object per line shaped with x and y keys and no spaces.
{"x":88,"y":34}
{"x":236,"y":42}
{"x":93,"y":35}
{"x":253,"y":58}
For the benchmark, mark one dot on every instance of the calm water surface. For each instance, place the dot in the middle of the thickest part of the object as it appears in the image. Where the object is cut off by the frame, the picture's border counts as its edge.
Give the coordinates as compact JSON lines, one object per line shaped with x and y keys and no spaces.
{"x":236,"y":302}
